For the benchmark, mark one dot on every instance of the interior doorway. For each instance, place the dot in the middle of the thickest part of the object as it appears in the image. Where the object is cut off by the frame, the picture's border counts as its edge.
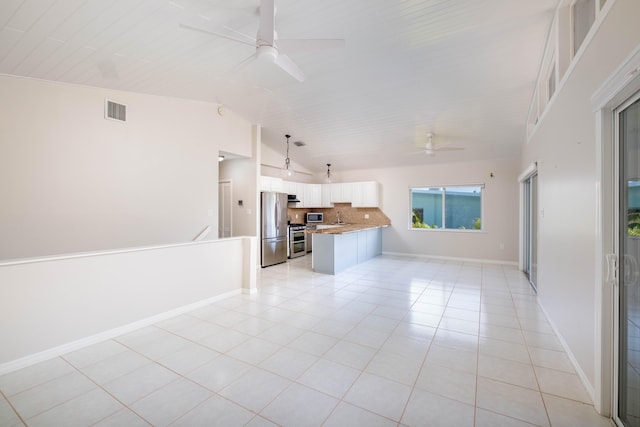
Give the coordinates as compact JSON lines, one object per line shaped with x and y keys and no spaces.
{"x":225,"y":226}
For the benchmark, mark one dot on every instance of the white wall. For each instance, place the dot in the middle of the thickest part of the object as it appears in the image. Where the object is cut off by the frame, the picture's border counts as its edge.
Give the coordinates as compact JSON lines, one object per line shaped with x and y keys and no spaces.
{"x":500,"y":209}
{"x":55,"y":305}
{"x":564,"y":146}
{"x":71,"y":181}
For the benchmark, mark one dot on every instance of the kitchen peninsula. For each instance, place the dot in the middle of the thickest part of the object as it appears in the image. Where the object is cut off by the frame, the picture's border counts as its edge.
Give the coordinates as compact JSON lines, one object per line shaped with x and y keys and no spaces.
{"x":339,"y":247}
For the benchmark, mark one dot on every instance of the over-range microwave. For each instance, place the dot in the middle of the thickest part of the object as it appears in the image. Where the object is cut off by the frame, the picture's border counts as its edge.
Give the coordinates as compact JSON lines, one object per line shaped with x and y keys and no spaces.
{"x":314,"y":217}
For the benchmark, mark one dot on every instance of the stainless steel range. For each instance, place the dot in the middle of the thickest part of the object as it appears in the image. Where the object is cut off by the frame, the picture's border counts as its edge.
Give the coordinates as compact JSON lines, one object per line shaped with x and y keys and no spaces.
{"x":297,"y":240}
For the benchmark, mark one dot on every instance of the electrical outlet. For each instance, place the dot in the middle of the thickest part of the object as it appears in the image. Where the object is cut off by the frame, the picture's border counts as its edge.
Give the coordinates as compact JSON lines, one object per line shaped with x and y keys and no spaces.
{"x":366,"y":216}
{"x":297,"y":216}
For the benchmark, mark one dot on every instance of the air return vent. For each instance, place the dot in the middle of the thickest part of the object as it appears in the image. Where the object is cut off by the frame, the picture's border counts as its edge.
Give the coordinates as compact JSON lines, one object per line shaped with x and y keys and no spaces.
{"x":115,"y":111}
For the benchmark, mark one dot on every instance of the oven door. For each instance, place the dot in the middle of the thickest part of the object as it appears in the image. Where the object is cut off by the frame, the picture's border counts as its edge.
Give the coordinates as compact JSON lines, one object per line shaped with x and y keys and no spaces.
{"x":297,"y":243}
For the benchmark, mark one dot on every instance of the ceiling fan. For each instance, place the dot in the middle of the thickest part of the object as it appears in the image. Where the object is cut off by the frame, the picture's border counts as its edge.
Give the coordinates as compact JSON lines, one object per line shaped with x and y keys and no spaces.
{"x":430,"y":148}
{"x":269,"y":47}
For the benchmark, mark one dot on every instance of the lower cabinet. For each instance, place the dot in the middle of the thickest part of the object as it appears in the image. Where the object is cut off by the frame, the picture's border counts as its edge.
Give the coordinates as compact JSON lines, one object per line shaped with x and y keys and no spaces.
{"x":333,"y":253}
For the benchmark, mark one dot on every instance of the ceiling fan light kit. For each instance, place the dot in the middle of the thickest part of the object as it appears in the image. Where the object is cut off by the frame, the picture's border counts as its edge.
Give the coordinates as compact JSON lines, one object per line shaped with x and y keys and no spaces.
{"x":266,"y":53}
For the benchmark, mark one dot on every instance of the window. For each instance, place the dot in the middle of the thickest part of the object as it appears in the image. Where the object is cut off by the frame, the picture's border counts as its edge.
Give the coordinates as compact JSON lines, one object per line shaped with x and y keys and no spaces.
{"x":551,"y":82}
{"x":583,"y":15}
{"x":451,"y":208}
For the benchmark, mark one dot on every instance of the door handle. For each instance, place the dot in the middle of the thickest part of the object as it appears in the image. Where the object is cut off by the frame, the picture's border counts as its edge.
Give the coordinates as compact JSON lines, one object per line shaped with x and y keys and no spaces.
{"x":612,"y":268}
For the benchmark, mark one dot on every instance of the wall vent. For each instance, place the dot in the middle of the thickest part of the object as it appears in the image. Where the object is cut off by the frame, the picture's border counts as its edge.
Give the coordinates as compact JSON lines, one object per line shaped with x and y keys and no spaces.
{"x":115,"y":111}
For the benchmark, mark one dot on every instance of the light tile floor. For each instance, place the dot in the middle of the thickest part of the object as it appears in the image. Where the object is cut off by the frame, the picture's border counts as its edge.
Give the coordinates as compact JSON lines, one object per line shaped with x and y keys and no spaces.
{"x":394,"y":341}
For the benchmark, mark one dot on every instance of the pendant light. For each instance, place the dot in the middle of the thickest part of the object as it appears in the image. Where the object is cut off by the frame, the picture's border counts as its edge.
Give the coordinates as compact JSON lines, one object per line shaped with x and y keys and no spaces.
{"x":287,"y":170}
{"x":327,"y":179}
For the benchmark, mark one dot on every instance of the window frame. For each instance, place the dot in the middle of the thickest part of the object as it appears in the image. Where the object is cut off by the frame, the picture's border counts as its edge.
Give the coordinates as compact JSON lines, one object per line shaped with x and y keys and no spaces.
{"x":574,"y":49}
{"x":444,"y":228}
{"x":551,"y":79}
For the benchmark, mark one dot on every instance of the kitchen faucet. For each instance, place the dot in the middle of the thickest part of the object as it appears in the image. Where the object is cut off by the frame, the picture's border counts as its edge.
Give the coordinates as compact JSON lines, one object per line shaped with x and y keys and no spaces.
{"x":338,"y":218}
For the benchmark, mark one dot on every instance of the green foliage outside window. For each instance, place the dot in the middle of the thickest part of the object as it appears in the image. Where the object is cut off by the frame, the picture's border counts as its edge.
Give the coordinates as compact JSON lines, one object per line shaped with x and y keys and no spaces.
{"x":633,"y":224}
{"x":417,"y":223}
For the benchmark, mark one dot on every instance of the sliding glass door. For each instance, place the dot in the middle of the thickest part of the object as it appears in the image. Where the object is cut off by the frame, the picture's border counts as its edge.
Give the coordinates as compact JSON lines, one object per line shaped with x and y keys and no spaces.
{"x":628,"y":301}
{"x":530,"y":223}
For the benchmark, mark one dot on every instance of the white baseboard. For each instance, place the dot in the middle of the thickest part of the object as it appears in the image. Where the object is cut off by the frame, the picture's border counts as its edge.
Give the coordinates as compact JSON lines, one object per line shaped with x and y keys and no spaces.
{"x":456,"y":259}
{"x":42,"y":356}
{"x":583,"y":377}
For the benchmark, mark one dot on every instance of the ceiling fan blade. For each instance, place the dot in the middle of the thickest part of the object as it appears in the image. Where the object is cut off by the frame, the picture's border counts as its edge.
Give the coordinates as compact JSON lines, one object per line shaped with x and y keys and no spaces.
{"x":284,"y":62}
{"x":305,"y":45}
{"x":224,"y":36}
{"x":244,"y":62}
{"x":266,"y":30}
{"x":449,"y":149}
{"x":241,"y":36}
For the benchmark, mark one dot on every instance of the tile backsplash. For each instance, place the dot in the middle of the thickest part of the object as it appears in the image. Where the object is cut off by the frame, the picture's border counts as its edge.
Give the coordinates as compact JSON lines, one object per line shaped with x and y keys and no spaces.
{"x":348,"y":214}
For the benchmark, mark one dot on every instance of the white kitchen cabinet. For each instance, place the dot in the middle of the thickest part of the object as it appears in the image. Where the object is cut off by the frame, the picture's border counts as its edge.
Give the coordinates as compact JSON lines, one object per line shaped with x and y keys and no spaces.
{"x":341,"y":192}
{"x":325,"y":196}
{"x":289,"y":187}
{"x":333,"y":253}
{"x":365,"y":194}
{"x":269,"y":183}
{"x":359,"y":194}
{"x":312,"y":195}
{"x":299,"y":191}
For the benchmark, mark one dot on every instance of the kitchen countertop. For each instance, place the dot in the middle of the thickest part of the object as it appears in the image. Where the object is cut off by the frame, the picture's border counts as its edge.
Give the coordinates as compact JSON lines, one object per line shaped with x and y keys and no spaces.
{"x":345,"y":228}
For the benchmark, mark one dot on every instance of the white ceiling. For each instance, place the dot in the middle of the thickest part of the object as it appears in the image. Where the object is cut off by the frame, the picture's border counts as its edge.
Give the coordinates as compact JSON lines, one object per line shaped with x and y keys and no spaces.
{"x":463,"y":69}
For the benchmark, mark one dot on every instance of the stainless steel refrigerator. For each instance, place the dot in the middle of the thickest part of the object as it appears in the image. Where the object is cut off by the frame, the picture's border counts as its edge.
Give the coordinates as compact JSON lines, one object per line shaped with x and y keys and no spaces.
{"x":274,"y":236}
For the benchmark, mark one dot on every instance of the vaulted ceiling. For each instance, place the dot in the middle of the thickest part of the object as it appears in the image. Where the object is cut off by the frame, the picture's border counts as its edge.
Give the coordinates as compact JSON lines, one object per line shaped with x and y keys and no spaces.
{"x":462,"y":69}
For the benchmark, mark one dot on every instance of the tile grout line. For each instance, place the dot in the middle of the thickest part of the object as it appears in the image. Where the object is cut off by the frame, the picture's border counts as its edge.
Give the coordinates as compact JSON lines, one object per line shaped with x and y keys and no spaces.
{"x":15,"y":411}
{"x":424,"y":360}
{"x":526,"y":343}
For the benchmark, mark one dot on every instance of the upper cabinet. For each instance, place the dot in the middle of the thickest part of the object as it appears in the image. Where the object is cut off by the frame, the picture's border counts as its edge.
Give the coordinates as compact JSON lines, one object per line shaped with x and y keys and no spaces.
{"x":289,"y":187}
{"x":341,"y":192}
{"x":325,"y":196}
{"x":269,"y":183}
{"x":312,"y":195}
{"x":359,"y":194}
{"x":365,"y":194}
